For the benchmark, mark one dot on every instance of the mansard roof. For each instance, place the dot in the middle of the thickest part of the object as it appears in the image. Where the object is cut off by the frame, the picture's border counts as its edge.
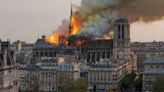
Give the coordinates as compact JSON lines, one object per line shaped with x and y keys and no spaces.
{"x":66,"y":67}
{"x":101,"y":65}
{"x":155,"y":60}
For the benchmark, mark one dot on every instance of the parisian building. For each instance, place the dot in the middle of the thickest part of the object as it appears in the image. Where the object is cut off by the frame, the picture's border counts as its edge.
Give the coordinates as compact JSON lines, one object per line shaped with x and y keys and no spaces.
{"x":8,"y":68}
{"x":153,"y":67}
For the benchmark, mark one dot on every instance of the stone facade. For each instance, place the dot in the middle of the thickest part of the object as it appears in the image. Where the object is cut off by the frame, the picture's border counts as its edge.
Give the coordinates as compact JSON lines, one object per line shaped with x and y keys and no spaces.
{"x":110,"y":59}
{"x":153,"y":67}
{"x":48,"y":74}
{"x":8,"y":69}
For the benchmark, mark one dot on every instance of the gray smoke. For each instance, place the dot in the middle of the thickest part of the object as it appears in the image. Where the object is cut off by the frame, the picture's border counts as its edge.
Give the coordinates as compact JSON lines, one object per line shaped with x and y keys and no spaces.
{"x":98,"y":14}
{"x":63,"y":28}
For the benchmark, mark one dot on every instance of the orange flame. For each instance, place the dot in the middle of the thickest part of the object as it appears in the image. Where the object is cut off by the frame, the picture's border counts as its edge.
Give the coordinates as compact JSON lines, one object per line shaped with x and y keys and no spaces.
{"x":80,"y":42}
{"x":54,"y":39}
{"x":75,"y":23}
{"x":75,"y":26}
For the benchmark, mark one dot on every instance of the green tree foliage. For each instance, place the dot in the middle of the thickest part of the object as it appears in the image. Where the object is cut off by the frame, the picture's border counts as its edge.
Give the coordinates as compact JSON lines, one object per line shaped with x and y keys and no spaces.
{"x":158,"y":85}
{"x":128,"y":80}
{"x":80,"y":85}
{"x":67,"y":84}
{"x":64,"y":84}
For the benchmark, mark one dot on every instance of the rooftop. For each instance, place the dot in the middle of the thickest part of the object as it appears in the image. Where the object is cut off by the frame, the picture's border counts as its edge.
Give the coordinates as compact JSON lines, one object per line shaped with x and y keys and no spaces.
{"x":155,"y":60}
{"x":155,"y":71}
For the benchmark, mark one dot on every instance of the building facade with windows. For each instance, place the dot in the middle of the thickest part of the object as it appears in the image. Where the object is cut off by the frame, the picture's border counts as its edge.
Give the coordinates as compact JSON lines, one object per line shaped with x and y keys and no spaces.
{"x":110,"y":60}
{"x":8,"y":68}
{"x":153,"y":67}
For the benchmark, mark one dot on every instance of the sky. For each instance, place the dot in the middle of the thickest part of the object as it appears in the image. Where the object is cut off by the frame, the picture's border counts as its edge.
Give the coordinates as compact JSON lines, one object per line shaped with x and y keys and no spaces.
{"x":29,"y":19}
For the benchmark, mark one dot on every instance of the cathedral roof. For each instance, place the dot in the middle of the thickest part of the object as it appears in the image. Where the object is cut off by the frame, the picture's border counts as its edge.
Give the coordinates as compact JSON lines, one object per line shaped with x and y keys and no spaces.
{"x":99,"y":44}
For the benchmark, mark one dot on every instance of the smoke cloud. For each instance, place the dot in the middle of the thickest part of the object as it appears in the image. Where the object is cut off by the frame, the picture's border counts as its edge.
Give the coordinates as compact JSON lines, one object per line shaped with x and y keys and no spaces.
{"x":98,"y":14}
{"x":63,"y":28}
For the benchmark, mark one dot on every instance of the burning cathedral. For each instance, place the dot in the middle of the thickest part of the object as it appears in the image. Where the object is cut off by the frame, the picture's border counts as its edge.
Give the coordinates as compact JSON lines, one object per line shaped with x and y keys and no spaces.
{"x":105,"y":61}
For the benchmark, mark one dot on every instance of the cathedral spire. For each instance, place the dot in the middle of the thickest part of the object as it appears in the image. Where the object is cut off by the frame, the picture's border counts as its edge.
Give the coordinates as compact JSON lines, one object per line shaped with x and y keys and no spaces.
{"x":70,"y":25}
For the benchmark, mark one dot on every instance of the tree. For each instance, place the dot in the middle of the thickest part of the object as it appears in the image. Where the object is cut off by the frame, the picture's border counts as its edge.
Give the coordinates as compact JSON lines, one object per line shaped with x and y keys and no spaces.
{"x":67,"y":84}
{"x":64,"y":84}
{"x":158,"y":85}
{"x":128,"y":80}
{"x":80,"y":85}
{"x":138,"y":83}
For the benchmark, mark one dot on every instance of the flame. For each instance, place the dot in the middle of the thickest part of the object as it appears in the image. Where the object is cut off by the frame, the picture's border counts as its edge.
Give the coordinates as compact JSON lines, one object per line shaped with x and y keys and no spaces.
{"x":75,"y":22}
{"x":80,"y":42}
{"x":75,"y":25}
{"x":53,"y":38}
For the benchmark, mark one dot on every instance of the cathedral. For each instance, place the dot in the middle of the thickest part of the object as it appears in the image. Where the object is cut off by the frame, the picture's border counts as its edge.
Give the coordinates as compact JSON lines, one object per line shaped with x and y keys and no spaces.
{"x":110,"y":60}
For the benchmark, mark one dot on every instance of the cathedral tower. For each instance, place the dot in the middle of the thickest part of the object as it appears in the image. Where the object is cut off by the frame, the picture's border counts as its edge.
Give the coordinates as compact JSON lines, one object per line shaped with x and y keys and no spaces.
{"x":121,"y":44}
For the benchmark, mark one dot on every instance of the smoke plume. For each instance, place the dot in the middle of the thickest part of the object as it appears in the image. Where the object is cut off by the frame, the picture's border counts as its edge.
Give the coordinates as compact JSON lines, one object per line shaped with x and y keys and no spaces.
{"x":63,"y":28}
{"x":98,"y":14}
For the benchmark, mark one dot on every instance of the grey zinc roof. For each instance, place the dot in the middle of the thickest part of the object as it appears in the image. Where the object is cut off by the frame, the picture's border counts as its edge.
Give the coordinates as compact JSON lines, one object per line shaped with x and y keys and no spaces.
{"x":66,"y":66}
{"x":154,"y":71}
{"x":155,"y":60}
{"x":49,"y":60}
{"x":101,"y":65}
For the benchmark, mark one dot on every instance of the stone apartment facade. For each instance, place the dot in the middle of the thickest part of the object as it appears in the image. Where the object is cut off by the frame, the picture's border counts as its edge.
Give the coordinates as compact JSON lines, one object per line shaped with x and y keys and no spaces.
{"x":153,"y":67}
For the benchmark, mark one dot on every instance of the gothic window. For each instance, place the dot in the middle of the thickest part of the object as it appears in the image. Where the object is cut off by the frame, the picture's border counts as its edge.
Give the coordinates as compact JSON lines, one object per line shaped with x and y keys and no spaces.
{"x":54,"y":53}
{"x":41,"y":54}
{"x":93,"y":56}
{"x":119,"y":31}
{"x":98,"y":57}
{"x":103,"y":55}
{"x":88,"y":57}
{"x":123,"y":30}
{"x":50,"y":54}
{"x":37,"y":54}
{"x":46,"y":53}
{"x":108,"y":54}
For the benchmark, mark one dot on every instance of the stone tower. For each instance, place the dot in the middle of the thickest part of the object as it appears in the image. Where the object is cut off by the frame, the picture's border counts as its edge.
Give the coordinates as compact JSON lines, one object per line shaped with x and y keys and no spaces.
{"x":121,"y":44}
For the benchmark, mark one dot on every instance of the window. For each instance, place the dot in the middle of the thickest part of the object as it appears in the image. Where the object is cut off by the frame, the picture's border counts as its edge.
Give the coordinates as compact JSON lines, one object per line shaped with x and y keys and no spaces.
{"x":108,"y":54}
{"x":158,"y":66}
{"x":98,"y":57}
{"x":151,"y":66}
{"x":123,"y":30}
{"x":119,"y":32}
{"x":103,"y":55}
